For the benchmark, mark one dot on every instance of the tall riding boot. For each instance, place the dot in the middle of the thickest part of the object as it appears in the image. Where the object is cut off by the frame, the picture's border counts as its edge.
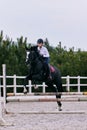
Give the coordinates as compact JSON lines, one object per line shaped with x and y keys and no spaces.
{"x":47,"y":71}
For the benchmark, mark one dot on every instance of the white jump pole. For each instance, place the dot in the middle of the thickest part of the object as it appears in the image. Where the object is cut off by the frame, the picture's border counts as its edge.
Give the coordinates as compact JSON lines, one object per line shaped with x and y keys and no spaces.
{"x":4,"y":85}
{"x":2,"y":121}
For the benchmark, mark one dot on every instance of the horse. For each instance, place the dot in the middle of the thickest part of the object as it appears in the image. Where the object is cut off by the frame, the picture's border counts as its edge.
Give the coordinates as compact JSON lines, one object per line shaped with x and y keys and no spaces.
{"x":36,"y":73}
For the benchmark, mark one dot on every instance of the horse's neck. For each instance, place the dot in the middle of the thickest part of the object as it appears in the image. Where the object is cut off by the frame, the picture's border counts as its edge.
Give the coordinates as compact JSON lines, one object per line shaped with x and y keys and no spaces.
{"x":37,"y":66}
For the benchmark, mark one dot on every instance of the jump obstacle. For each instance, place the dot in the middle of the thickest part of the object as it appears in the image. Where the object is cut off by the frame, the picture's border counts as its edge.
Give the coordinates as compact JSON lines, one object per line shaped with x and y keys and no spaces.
{"x":2,"y":121}
{"x":47,"y":94}
{"x":52,"y":112}
{"x":48,"y":98}
{"x":71,"y":98}
{"x":3,"y":100}
{"x":44,"y":100}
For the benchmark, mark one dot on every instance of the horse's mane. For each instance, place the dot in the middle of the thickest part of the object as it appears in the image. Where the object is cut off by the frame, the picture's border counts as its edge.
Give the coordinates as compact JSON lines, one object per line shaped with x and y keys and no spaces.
{"x":32,"y":48}
{"x":35,"y":49}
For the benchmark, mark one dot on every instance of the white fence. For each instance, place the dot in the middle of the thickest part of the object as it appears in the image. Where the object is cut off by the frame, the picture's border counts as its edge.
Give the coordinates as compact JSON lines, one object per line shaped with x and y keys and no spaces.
{"x":67,"y":83}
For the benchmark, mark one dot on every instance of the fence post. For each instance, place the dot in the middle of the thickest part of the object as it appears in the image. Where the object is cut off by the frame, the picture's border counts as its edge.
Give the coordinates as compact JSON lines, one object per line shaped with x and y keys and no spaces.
{"x":78,"y":83}
{"x":0,"y":87}
{"x":30,"y":87}
{"x":68,"y":83}
{"x":14,"y":84}
{"x":4,"y":84}
{"x":44,"y":87}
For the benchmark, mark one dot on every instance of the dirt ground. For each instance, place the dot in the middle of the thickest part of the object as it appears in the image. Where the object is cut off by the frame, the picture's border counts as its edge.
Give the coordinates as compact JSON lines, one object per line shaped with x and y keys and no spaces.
{"x":60,"y":121}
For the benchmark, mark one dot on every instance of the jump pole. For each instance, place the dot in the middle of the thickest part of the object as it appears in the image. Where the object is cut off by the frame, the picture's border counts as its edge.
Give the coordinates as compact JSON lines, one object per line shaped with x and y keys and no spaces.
{"x":3,"y":100}
{"x":62,"y":100}
{"x":2,"y":121}
{"x":52,"y":112}
{"x":4,"y":85}
{"x":47,"y":94}
{"x":45,"y":99}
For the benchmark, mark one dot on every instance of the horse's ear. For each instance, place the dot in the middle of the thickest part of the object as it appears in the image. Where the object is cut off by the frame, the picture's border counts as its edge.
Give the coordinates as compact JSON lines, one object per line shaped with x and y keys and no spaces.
{"x":27,"y":49}
{"x":31,"y":48}
{"x":35,"y":48}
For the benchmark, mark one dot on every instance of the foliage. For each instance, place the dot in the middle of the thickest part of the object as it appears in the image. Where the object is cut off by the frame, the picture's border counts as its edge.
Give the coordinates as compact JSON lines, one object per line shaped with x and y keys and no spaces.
{"x":13,"y":54}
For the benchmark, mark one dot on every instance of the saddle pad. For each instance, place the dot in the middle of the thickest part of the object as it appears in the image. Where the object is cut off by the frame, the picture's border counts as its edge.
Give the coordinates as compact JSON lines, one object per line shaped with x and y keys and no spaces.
{"x":52,"y":68}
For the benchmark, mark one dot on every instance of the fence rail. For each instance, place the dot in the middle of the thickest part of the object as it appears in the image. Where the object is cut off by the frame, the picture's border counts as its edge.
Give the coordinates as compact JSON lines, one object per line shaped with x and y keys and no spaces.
{"x":67,"y":83}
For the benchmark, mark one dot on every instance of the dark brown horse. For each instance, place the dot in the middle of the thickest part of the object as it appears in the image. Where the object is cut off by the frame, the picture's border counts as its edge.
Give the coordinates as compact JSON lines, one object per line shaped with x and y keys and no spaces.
{"x":36,"y":73}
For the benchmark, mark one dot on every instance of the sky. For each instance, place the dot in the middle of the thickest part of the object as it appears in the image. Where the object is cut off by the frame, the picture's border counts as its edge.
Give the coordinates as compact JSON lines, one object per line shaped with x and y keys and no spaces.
{"x":62,"y":21}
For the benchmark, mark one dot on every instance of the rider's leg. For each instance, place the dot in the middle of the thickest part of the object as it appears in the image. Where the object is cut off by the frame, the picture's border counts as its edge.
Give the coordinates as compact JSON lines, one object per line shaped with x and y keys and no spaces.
{"x":47,"y":71}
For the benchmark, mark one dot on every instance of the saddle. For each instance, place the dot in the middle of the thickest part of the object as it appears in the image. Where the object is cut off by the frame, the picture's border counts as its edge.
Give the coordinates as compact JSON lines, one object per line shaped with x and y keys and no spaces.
{"x":51,"y":68}
{"x":48,"y":70}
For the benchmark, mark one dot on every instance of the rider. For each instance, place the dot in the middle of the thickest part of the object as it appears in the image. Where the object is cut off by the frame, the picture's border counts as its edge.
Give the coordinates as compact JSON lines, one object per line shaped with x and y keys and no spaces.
{"x":46,"y":57}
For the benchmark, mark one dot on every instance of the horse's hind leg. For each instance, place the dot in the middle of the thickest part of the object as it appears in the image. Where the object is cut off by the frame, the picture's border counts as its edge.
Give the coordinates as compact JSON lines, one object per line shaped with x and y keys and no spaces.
{"x":59,"y":91}
{"x":58,"y":95}
{"x":59,"y":88}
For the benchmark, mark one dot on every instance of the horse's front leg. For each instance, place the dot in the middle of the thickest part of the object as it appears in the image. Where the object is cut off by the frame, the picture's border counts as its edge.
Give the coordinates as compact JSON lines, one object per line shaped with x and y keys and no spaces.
{"x":35,"y":85}
{"x":28,"y":77}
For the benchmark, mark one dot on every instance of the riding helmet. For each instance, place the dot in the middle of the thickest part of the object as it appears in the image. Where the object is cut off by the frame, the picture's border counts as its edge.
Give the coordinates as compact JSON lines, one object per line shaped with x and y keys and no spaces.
{"x":40,"y":41}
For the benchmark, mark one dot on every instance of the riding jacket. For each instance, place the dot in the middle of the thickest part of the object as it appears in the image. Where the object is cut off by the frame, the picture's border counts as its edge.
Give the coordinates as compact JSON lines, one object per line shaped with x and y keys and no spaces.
{"x":44,"y":52}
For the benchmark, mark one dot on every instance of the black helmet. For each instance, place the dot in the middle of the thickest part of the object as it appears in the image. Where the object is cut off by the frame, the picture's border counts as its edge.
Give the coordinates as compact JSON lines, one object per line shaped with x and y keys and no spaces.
{"x":40,"y":41}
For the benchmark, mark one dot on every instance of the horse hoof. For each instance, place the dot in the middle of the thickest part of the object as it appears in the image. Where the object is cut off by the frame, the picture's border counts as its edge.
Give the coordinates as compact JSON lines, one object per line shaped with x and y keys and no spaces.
{"x":25,"y":91}
{"x":60,"y":109}
{"x":35,"y":87}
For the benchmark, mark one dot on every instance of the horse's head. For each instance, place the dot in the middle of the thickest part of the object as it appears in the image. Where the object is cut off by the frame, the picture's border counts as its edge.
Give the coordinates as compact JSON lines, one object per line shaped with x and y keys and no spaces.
{"x":31,"y":54}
